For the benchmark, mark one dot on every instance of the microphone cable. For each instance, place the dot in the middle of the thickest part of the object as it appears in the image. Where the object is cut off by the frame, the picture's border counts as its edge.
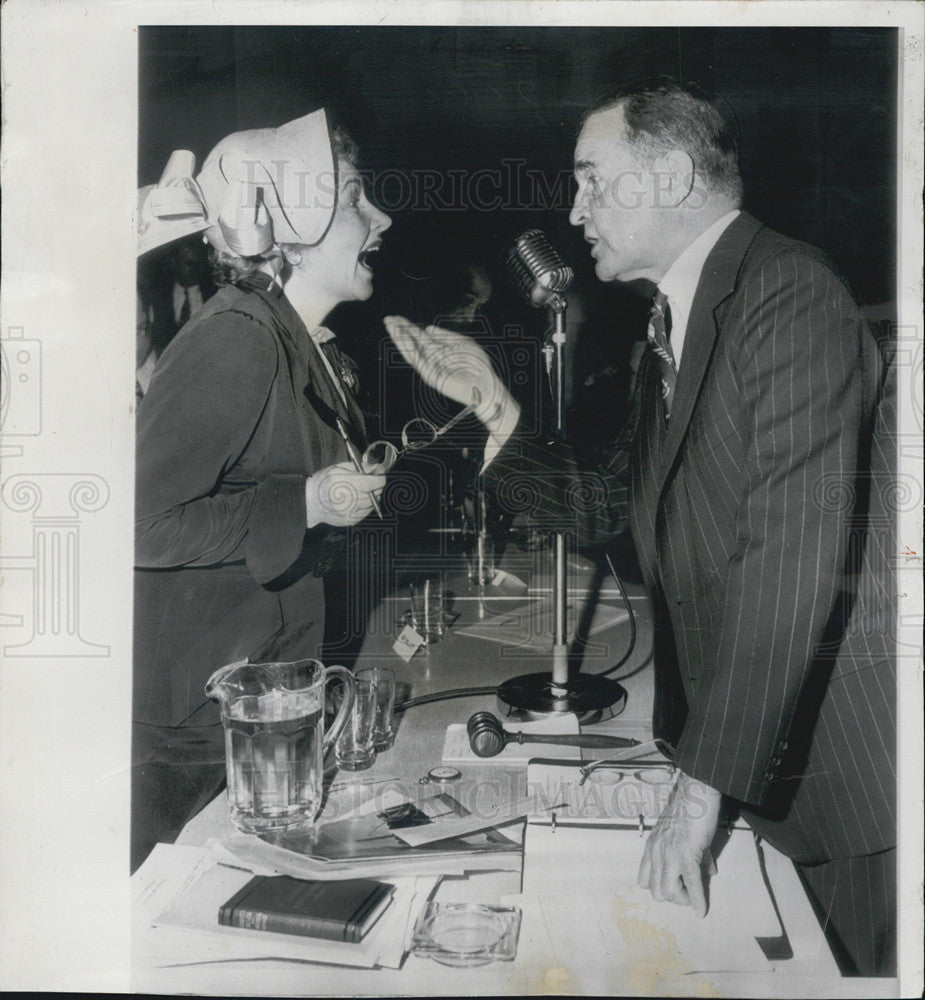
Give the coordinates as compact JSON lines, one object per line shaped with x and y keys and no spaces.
{"x":426,"y":699}
{"x":632,"y":620}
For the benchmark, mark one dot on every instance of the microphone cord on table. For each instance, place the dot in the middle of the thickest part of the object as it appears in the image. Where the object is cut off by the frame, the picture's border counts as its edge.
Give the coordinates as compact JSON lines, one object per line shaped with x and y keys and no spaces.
{"x":471,"y":692}
{"x":631,"y":645}
{"x":425,"y":699}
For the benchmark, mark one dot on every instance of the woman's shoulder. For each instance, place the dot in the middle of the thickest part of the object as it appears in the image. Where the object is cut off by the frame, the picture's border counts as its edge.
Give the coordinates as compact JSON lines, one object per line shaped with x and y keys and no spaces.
{"x":233,"y":325}
{"x":231,"y":302}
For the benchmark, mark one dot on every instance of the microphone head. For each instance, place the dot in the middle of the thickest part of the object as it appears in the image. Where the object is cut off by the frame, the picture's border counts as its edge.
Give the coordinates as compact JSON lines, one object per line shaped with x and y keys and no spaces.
{"x":486,"y":735}
{"x":538,"y":270}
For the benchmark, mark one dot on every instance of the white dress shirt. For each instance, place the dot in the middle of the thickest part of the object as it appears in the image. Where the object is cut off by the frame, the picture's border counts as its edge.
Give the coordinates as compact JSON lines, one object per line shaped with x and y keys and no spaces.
{"x":681,"y":279}
{"x":678,"y":285}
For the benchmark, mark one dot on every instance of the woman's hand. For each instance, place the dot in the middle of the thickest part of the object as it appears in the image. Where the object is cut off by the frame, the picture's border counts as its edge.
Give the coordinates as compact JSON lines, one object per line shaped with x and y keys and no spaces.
{"x":457,"y":367}
{"x":340,"y":495}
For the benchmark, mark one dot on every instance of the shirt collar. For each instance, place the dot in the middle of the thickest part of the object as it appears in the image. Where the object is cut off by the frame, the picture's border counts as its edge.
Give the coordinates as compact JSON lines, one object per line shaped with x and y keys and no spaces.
{"x":321,"y":334}
{"x":681,"y":279}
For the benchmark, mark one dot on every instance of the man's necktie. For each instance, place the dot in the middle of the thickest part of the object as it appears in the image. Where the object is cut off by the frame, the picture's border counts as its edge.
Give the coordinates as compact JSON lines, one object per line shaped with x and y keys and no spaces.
{"x":184,"y":309}
{"x":659,"y":332}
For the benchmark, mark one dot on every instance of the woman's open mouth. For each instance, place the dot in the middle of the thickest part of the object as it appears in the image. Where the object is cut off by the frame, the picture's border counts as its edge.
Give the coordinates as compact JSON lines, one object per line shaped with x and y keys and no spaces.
{"x":365,"y":256}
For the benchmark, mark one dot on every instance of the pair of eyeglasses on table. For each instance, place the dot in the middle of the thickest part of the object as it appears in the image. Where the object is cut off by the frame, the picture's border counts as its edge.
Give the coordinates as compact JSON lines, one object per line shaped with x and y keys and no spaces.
{"x":380,"y":456}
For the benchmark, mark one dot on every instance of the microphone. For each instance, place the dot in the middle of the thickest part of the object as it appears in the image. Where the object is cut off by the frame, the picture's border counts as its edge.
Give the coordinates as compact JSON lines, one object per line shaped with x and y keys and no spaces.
{"x":539,"y":271}
{"x":487,"y":737}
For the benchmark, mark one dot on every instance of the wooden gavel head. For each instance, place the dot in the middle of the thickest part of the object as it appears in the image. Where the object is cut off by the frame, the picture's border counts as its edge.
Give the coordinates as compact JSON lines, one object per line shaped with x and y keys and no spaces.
{"x":487,"y":737}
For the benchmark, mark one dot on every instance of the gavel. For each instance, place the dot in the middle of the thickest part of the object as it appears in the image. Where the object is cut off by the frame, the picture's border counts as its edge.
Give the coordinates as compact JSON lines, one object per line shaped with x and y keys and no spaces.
{"x":487,"y":737}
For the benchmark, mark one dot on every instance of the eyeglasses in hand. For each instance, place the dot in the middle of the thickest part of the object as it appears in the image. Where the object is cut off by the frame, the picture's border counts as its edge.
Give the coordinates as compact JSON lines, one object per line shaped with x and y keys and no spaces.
{"x":417,"y":433}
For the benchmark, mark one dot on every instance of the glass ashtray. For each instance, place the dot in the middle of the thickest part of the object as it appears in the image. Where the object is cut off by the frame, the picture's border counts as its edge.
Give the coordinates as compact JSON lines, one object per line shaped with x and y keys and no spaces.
{"x":466,"y":934}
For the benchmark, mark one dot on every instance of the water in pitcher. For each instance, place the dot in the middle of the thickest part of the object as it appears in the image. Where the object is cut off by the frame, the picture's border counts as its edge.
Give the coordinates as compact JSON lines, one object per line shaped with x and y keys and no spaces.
{"x":273,"y":745}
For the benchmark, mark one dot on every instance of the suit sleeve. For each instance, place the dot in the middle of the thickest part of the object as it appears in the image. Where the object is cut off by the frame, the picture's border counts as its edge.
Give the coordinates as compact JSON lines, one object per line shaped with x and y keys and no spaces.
{"x":542,"y":479}
{"x":799,"y":376}
{"x":194,"y":423}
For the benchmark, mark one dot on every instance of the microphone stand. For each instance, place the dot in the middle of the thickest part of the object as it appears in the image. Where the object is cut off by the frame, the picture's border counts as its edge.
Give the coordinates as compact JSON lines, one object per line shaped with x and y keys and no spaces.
{"x":555,"y":692}
{"x":559,"y":686}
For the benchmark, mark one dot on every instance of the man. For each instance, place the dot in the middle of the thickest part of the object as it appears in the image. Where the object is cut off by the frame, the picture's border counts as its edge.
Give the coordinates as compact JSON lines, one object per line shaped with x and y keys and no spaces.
{"x":192,"y":284}
{"x":145,"y":354}
{"x":172,"y":287}
{"x":754,"y":406}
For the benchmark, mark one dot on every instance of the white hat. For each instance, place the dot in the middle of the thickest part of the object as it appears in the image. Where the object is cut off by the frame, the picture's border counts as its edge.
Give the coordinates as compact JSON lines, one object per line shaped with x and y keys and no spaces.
{"x":274,"y":185}
{"x":172,"y":208}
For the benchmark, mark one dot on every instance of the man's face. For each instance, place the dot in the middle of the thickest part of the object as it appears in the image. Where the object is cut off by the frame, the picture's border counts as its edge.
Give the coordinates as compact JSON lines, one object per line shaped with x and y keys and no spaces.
{"x":616,"y":202}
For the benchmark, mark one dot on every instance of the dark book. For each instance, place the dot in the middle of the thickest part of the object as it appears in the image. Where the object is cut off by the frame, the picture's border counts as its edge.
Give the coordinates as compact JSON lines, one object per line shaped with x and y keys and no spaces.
{"x":336,"y":911}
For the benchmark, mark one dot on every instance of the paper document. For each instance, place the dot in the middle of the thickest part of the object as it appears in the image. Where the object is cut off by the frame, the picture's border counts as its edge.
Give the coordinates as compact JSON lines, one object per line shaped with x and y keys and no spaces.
{"x":531,"y":625}
{"x":585,"y":875}
{"x":605,"y":944}
{"x":495,"y":812}
{"x":186,"y":888}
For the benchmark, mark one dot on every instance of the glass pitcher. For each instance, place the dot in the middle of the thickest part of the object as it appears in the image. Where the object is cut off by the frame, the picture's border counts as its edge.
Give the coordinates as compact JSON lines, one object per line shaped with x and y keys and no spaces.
{"x":273,"y":715}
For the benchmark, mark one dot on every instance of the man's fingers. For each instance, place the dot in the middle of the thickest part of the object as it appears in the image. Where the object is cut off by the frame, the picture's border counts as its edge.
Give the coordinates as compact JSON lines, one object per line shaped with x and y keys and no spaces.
{"x":440,"y":335}
{"x":671,"y":889}
{"x":693,"y":880}
{"x":406,"y":336}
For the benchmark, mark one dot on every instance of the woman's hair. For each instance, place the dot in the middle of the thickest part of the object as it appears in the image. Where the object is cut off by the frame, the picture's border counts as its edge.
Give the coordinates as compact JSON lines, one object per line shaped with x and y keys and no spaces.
{"x":229,"y":268}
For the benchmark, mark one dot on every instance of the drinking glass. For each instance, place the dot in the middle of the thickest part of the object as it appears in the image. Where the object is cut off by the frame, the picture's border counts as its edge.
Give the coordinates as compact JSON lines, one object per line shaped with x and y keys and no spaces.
{"x":354,"y":749}
{"x":480,"y":559}
{"x":382,"y":681}
{"x":428,"y":607}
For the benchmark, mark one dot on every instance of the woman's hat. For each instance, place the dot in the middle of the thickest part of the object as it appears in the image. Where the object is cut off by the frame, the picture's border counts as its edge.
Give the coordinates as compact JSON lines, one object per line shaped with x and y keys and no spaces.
{"x":256,"y":188}
{"x":271,"y":185}
{"x":172,"y":208}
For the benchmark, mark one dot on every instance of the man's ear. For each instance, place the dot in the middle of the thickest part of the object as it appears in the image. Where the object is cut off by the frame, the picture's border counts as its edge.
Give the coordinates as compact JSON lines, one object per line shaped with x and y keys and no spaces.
{"x":675,"y":172}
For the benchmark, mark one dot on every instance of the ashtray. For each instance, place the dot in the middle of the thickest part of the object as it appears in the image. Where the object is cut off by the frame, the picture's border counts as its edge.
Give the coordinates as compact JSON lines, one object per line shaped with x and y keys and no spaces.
{"x":466,"y":934}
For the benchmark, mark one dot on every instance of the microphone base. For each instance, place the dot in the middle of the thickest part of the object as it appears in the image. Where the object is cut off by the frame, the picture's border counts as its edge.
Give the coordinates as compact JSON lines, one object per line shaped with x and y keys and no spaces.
{"x":581,"y":694}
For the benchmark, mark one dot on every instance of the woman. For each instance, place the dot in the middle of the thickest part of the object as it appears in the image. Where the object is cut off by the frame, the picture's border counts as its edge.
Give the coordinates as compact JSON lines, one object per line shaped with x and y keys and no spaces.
{"x":244,"y":481}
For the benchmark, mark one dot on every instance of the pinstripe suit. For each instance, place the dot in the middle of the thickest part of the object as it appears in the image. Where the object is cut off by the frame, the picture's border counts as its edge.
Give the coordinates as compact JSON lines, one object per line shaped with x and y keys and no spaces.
{"x":749,"y":511}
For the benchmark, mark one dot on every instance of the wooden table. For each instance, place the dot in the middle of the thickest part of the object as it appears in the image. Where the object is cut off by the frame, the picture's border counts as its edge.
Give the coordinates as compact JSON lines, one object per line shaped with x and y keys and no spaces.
{"x":458,"y":660}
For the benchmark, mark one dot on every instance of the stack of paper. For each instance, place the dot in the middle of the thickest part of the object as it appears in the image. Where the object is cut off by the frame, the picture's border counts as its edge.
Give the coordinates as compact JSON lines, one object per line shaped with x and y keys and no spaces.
{"x":479,"y":852}
{"x":584,"y":874}
{"x":435,"y":834}
{"x":351,"y":839}
{"x":178,"y":891}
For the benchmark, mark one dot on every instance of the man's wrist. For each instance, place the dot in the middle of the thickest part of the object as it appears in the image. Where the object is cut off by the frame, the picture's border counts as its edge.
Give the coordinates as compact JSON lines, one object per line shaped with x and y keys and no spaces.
{"x":694,"y":799}
{"x":500,"y":417}
{"x":500,"y":428}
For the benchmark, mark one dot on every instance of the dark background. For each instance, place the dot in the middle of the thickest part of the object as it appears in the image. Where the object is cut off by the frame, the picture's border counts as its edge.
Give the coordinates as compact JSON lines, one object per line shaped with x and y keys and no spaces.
{"x":816,"y":108}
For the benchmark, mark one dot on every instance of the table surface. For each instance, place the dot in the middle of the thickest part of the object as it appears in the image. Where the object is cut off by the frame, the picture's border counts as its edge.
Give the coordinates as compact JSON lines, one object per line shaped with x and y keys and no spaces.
{"x":458,"y":660}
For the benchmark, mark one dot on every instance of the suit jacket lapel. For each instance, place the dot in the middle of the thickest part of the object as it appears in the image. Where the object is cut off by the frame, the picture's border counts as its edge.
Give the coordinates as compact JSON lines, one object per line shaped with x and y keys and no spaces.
{"x":716,"y":284}
{"x":320,"y":390}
